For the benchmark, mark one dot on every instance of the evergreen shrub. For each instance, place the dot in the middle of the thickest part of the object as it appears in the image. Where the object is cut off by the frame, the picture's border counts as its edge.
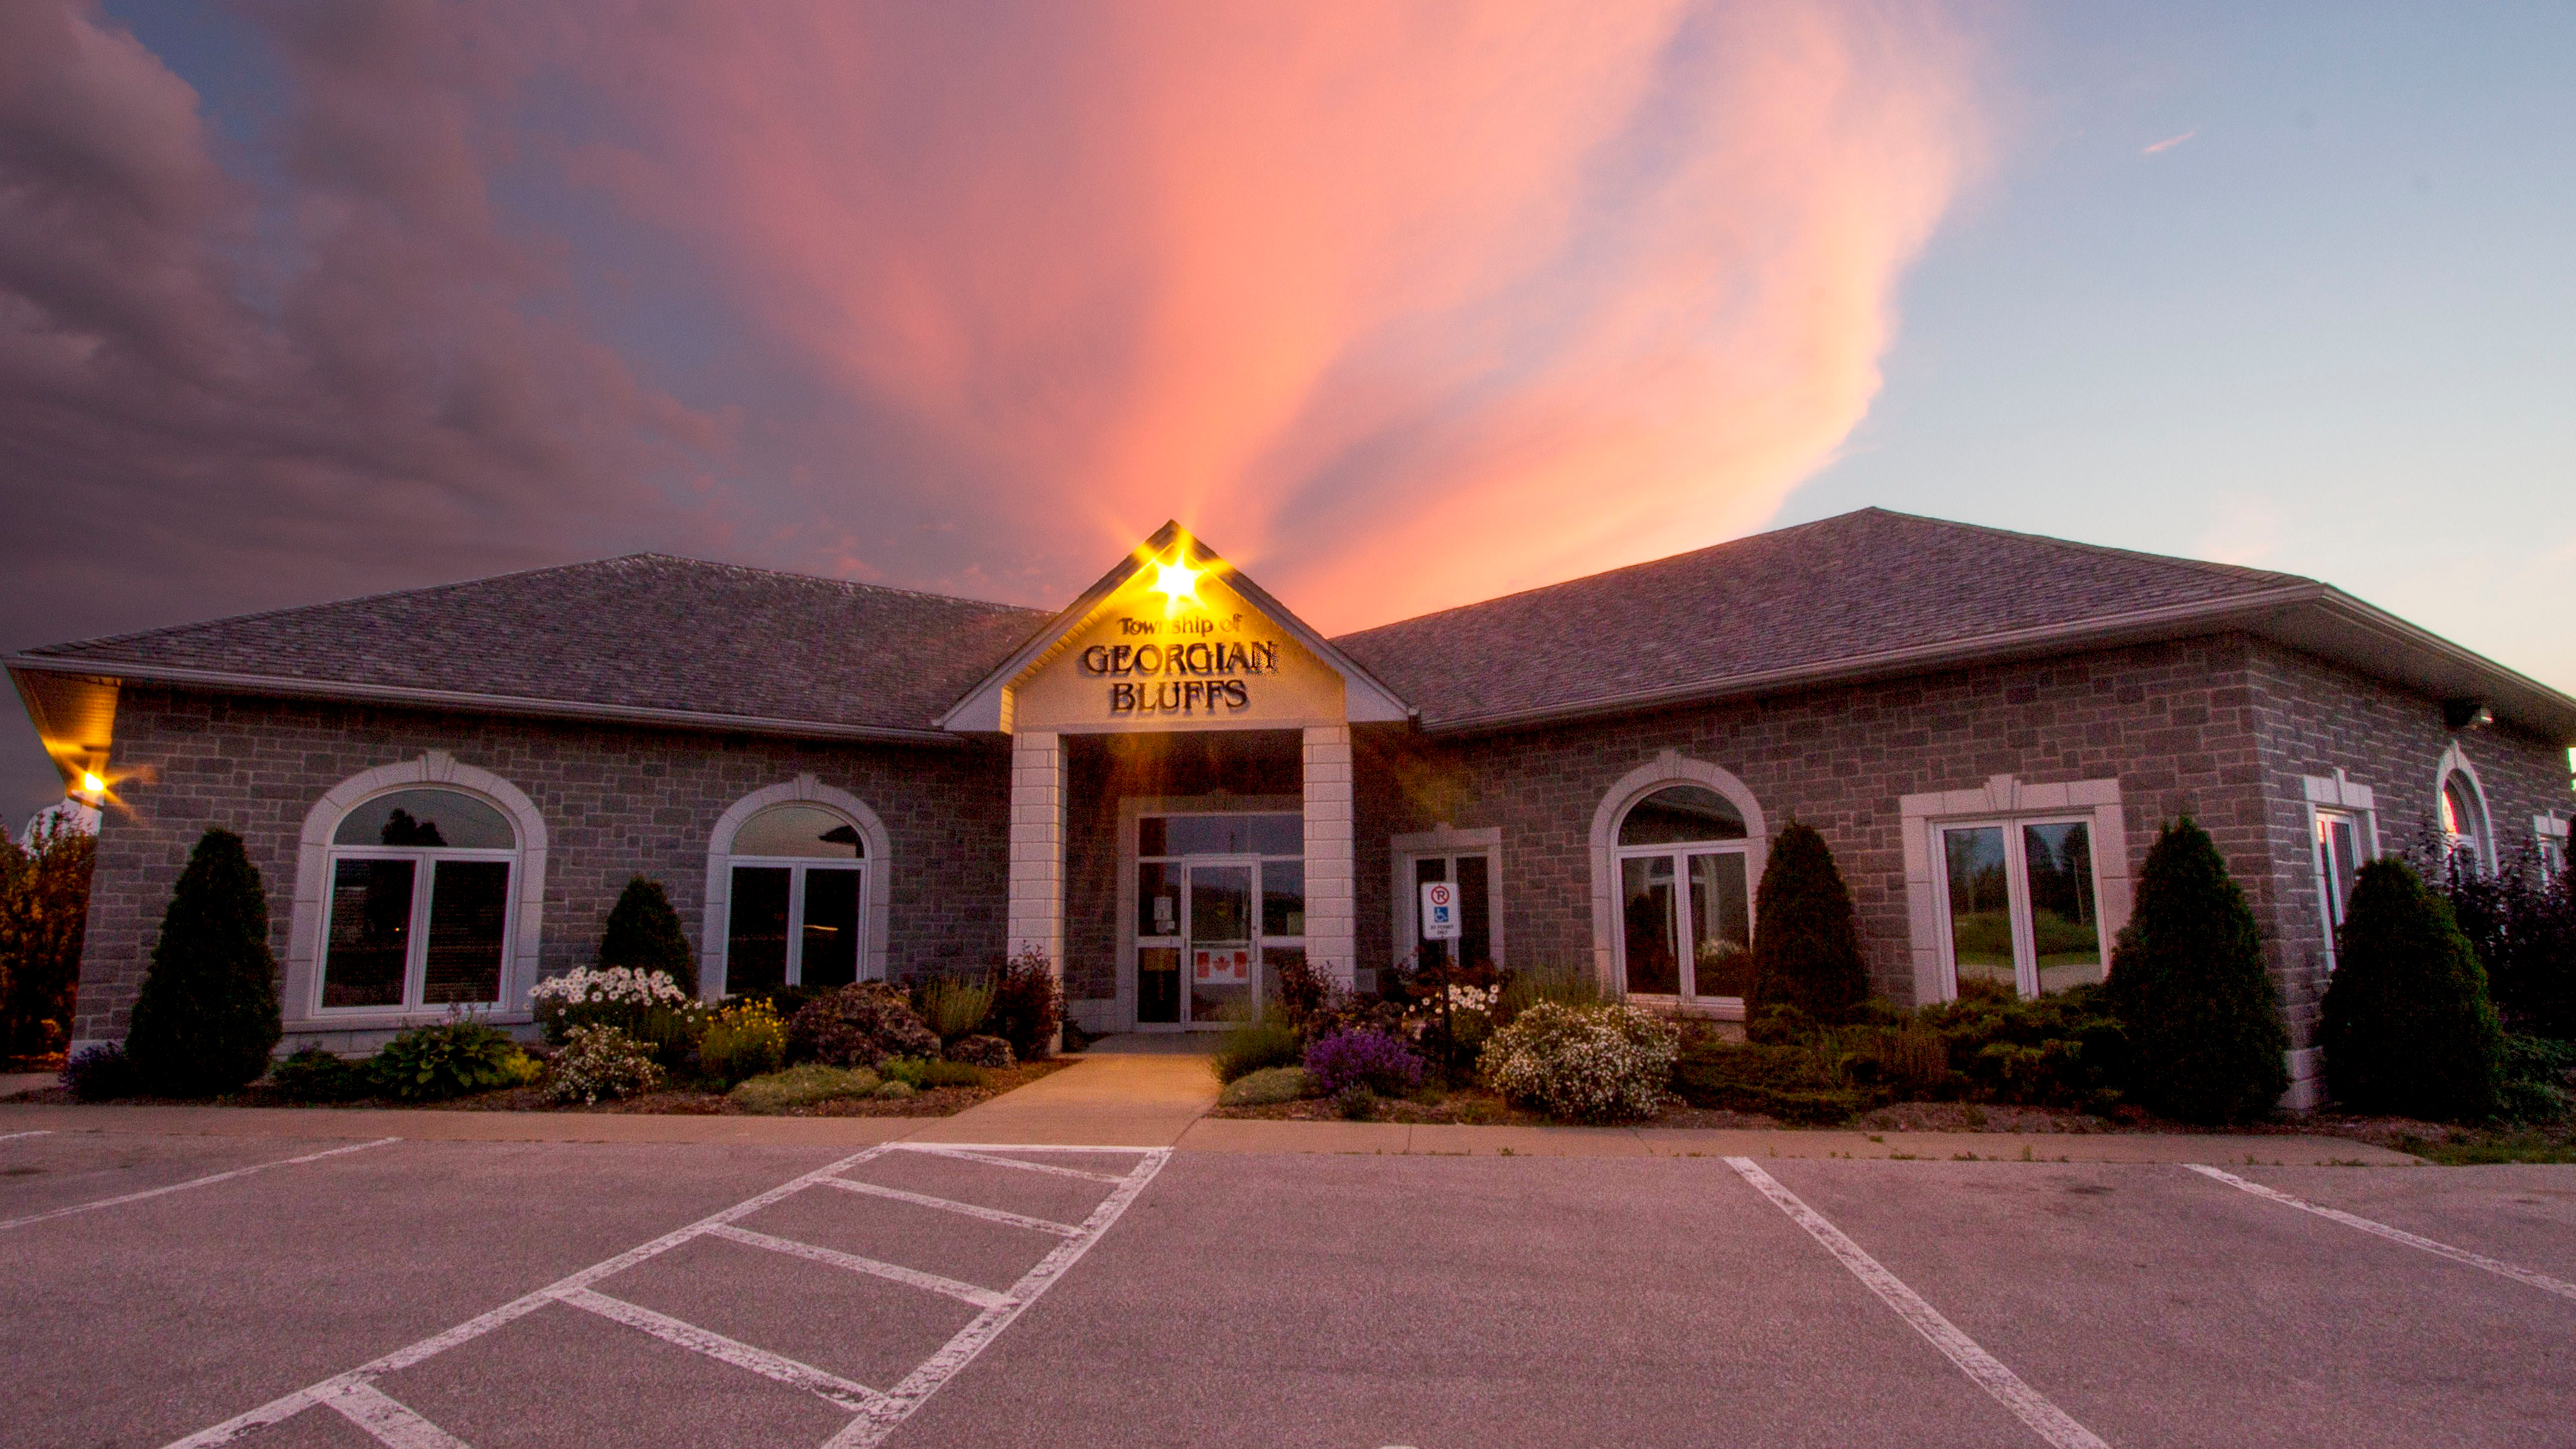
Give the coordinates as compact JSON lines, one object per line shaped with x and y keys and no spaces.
{"x":643,"y":935}
{"x":206,"y":1018}
{"x":2408,"y":1026}
{"x":2204,"y":1032}
{"x":316,"y":1075}
{"x":1806,"y":942}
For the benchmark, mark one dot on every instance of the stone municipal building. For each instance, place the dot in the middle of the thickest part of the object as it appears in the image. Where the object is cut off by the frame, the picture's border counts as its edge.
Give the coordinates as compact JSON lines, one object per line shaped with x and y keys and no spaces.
{"x":1174,"y":785}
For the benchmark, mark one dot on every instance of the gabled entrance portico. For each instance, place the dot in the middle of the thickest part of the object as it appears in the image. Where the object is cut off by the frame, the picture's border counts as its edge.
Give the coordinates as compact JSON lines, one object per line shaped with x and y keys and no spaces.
{"x":1243,"y":852}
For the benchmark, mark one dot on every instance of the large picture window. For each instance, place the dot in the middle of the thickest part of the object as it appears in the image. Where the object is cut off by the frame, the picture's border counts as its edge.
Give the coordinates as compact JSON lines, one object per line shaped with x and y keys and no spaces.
{"x":2022,"y":905}
{"x":796,"y":907}
{"x":418,"y":910}
{"x":1686,"y":927}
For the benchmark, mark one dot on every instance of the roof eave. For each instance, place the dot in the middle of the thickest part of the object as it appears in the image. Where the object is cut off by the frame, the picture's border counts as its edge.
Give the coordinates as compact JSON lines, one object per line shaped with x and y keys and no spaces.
{"x":291,"y":687}
{"x":2314,"y":617}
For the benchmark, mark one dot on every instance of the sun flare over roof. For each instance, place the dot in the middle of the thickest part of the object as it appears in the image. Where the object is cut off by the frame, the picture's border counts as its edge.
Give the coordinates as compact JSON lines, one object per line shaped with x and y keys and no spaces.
{"x":1178,"y":583}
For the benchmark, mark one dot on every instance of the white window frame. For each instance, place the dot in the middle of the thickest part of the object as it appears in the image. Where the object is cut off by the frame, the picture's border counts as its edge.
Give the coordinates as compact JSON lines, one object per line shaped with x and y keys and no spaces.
{"x":876,"y":859}
{"x":1686,"y":997}
{"x":2024,"y":922}
{"x":799,"y":868}
{"x":424,"y":888}
{"x":2479,"y":839}
{"x":2549,"y":833}
{"x":2005,"y":801}
{"x":307,"y":938}
{"x":2329,"y":798}
{"x":1666,"y":769}
{"x":1442,"y":842}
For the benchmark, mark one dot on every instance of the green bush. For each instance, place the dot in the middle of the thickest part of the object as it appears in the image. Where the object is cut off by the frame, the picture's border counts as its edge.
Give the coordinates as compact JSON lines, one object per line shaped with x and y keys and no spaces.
{"x":2408,"y":1027}
{"x":1264,"y":1087}
{"x":743,"y":1041}
{"x":315,"y":1075}
{"x":2205,"y":1036}
{"x":643,"y":934}
{"x":1806,"y":944}
{"x":923,"y":1073}
{"x":44,"y":910}
{"x":1587,"y":1064}
{"x":600,"y":1061}
{"x":2539,"y":1073}
{"x":895,"y":1089}
{"x":952,"y":1006}
{"x":451,"y":1059}
{"x":1574,"y":986}
{"x":802,"y":1087}
{"x":2064,"y":1049}
{"x":1256,"y":1043}
{"x":1793,"y":1083}
{"x":207,"y":1018}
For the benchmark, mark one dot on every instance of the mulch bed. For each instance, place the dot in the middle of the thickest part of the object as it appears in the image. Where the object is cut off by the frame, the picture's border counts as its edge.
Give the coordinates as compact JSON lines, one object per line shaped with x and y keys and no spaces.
{"x":936,"y":1102}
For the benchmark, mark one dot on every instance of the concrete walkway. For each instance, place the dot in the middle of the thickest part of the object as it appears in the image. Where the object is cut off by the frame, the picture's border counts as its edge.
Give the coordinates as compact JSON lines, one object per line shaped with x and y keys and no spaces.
{"x":1126,"y":1091}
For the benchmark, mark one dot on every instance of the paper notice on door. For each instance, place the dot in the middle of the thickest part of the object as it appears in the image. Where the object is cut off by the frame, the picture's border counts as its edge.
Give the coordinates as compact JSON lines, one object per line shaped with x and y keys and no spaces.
{"x":1229,"y":966}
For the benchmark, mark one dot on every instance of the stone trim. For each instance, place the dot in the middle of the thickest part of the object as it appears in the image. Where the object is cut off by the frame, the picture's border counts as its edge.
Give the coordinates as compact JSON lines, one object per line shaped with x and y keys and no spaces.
{"x":1036,"y":914}
{"x":2004,"y":796}
{"x":876,"y":875}
{"x":435,"y":768}
{"x":1332,"y":890}
{"x":1440,"y":839}
{"x":1669,"y":767}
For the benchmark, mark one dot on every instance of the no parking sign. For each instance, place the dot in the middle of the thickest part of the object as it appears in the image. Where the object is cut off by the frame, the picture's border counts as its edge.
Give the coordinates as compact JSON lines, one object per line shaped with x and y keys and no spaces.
{"x":1440,"y":912}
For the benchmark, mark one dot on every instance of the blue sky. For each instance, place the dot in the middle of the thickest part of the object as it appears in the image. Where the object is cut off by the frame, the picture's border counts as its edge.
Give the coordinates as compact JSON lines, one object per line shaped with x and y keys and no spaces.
{"x":2283,"y":285}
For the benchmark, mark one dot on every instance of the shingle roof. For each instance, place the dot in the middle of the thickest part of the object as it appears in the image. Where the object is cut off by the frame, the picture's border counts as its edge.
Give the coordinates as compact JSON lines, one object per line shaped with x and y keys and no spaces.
{"x":643,"y":632}
{"x":1842,"y":589}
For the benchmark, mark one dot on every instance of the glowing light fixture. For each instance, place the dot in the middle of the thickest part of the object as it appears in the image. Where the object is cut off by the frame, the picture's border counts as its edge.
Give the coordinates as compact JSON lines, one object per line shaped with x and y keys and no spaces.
{"x":1177,"y":582}
{"x":91,"y":782}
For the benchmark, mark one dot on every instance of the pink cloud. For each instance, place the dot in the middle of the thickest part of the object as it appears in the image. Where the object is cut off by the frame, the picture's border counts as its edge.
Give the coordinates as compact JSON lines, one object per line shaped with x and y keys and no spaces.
{"x":1402,"y":305}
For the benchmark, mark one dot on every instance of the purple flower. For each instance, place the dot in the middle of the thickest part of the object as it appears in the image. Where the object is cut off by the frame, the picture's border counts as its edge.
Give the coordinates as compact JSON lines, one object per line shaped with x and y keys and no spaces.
{"x":1370,"y":1059}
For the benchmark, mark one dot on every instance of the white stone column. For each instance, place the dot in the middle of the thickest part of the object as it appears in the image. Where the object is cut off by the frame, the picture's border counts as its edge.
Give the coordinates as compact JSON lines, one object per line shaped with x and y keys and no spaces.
{"x":1037,"y":846}
{"x":1332,"y":904}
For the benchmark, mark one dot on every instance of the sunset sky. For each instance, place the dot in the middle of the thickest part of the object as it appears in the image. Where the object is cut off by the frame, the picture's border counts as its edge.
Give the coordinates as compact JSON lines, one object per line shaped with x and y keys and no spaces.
{"x":1401,"y":306}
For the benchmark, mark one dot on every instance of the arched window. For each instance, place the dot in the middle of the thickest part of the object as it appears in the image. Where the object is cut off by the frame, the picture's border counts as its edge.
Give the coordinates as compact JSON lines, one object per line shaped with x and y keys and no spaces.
{"x":796,"y":899}
{"x":2464,"y":821}
{"x":418,"y":908}
{"x":1685,"y":891}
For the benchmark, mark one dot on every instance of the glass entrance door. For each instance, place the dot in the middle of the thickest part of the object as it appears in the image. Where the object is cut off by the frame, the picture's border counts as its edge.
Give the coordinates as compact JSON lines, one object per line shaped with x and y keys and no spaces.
{"x":1223,"y":964}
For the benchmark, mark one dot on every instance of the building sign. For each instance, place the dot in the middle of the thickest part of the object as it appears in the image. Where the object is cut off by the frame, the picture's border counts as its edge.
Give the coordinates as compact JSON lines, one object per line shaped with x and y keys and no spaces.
{"x":1185,"y":666}
{"x":1440,"y":919}
{"x":1222,"y":966}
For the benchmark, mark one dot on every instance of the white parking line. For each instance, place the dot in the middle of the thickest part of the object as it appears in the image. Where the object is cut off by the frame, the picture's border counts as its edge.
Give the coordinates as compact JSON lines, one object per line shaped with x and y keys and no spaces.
{"x":951,"y":1205}
{"x":39,"y":1132}
{"x":966,"y":1155}
{"x":354,"y":1396}
{"x":895,"y":1272}
{"x":1982,"y":1368}
{"x":830,"y":1387}
{"x":2497,"y":1266}
{"x":208,"y":1181}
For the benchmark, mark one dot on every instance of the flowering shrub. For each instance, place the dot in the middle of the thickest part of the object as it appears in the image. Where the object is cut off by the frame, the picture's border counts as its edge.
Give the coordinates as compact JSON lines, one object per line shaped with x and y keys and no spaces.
{"x":742,"y":1041}
{"x":600,"y":1061}
{"x":1370,"y":1059}
{"x":649,"y":1006}
{"x":99,"y":1073}
{"x":859,"y":1025}
{"x":1591,"y":1064}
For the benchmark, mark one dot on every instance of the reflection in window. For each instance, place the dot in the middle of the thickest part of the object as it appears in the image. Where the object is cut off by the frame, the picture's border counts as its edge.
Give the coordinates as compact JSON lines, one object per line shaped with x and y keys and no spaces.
{"x":793,"y":912}
{"x":2464,"y":822}
{"x":1685,"y":897}
{"x":2024,"y":910}
{"x":419,"y":911}
{"x":2339,"y":840}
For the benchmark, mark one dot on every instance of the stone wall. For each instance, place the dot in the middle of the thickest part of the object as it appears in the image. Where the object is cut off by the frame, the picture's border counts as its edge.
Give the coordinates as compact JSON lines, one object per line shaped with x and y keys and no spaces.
{"x":617,"y":801}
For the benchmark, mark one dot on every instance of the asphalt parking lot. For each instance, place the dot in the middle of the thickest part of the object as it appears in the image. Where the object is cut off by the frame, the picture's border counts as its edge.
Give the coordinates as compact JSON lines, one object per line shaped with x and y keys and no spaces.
{"x":336,"y":1292}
